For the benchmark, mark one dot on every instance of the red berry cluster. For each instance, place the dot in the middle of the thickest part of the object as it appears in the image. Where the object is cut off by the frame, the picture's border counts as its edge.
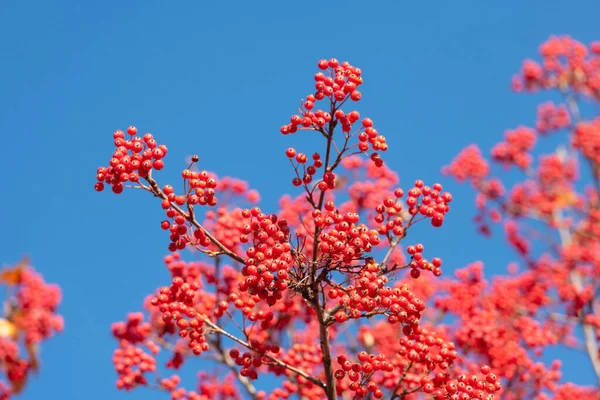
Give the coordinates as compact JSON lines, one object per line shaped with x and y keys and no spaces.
{"x":554,"y":172}
{"x":210,"y":386}
{"x":566,"y":63}
{"x":201,"y":190}
{"x":341,"y":238}
{"x":370,"y":296}
{"x":269,"y":259}
{"x":16,"y":368}
{"x":515,"y":238}
{"x":30,"y":317}
{"x":339,"y":85}
{"x":132,"y":159}
{"x":304,"y":356}
{"x":369,"y":138}
{"x":586,"y":138}
{"x":131,"y":363}
{"x":552,"y":118}
{"x":515,"y":150}
{"x":424,"y":200}
{"x":307,"y":357}
{"x":134,"y":330}
{"x":360,"y":373}
{"x":469,"y":164}
{"x":37,"y":302}
{"x":308,"y":171}
{"x":170,"y":384}
{"x":419,"y":263}
{"x":226,"y":225}
{"x":465,"y":387}
{"x":251,"y":360}
{"x":176,"y":302}
{"x":290,"y":389}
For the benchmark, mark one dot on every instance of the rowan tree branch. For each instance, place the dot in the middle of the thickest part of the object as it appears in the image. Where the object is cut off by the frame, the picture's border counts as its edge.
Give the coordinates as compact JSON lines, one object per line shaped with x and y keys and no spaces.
{"x":245,"y":382}
{"x":589,"y":332}
{"x":154,"y":188}
{"x":295,"y":370}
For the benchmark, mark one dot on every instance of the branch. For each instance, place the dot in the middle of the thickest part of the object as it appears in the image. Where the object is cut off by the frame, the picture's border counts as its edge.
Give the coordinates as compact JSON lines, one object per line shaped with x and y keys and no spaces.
{"x":245,"y":382}
{"x":589,"y":332}
{"x":159,"y":193}
{"x":394,"y":393}
{"x":396,"y":241}
{"x":303,"y":374}
{"x":326,"y":349}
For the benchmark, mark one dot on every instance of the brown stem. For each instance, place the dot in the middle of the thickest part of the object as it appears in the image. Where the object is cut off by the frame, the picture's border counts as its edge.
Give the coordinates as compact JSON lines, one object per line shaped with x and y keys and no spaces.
{"x":326,"y":349}
{"x":295,"y":370}
{"x":322,"y":316}
{"x":395,"y":394}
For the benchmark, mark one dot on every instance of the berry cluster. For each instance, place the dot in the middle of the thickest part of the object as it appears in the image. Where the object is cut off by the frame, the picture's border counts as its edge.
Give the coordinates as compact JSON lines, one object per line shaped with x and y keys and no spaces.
{"x":419,"y":263}
{"x":469,"y":164}
{"x":586,"y":138}
{"x":554,"y":172}
{"x":370,"y":296}
{"x":308,"y":171}
{"x":227,"y":226}
{"x":337,"y":86}
{"x":305,"y":355}
{"x":552,"y":118}
{"x":176,"y":302}
{"x":250,"y":361}
{"x":131,"y":363}
{"x":341,"y":238}
{"x":30,"y":318}
{"x":201,"y":190}
{"x":269,"y":259}
{"x":132,"y":159}
{"x":134,"y":330}
{"x":424,"y":200}
{"x":360,"y":373}
{"x":515,"y":150}
{"x":17,"y":369}
{"x":465,"y":387}
{"x":566,"y":63}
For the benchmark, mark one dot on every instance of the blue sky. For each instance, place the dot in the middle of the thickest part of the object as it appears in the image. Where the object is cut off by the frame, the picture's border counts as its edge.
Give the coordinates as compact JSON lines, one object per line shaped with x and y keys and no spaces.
{"x":219,"y":79}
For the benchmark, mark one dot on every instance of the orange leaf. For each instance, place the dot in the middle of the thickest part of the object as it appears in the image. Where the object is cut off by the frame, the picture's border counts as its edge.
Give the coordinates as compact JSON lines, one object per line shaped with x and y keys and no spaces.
{"x":566,"y":199}
{"x":12,"y":276}
{"x":8,"y":329}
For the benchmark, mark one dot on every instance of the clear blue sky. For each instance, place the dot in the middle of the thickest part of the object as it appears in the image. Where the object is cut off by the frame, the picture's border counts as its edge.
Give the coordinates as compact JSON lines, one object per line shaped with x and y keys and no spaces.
{"x":219,"y":79}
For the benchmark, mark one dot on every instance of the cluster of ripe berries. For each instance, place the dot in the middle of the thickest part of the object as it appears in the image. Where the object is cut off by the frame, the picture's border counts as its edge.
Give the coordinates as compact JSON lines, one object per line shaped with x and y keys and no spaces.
{"x":359,"y":373}
{"x":515,"y":149}
{"x":269,"y":259}
{"x":176,"y":303}
{"x":465,"y":387}
{"x":419,"y":263}
{"x":131,"y":363}
{"x":424,"y":200}
{"x":341,"y":237}
{"x":370,"y":296}
{"x":250,"y":361}
{"x":339,"y":85}
{"x":133,"y":158}
{"x":308,"y":171}
{"x":200,"y":190}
